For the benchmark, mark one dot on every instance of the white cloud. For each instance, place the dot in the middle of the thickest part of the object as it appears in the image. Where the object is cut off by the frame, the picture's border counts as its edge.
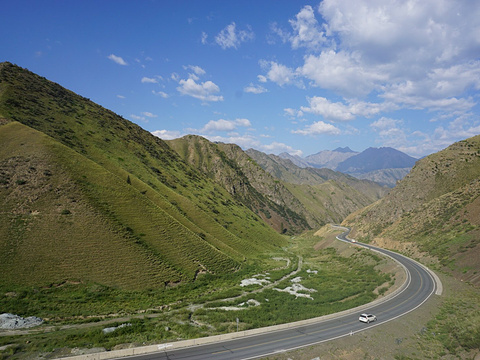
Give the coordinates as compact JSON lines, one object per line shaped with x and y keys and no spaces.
{"x":279,"y":74}
{"x":144,"y":116}
{"x":248,"y":141}
{"x":342,"y":72}
{"x":160,"y":93}
{"x":138,"y":118}
{"x":225,"y":125}
{"x":262,"y":78}
{"x":337,"y":111}
{"x":307,"y":32}
{"x":331,"y":111}
{"x":318,"y":128}
{"x":117,"y":59}
{"x":255,"y":89}
{"x":245,"y":141}
{"x":390,"y":132}
{"x":230,"y":37}
{"x":417,"y":143}
{"x":440,"y":90}
{"x":204,"y":38}
{"x":121,"y":96}
{"x":197,"y":70}
{"x":410,"y":32}
{"x":277,"y":148}
{"x":384,"y":124}
{"x":417,"y":95}
{"x":415,"y":54}
{"x":204,"y":91}
{"x":282,"y":34}
{"x":292,"y":112}
{"x":147,"y":80}
{"x":149,"y":114}
{"x":167,"y":134}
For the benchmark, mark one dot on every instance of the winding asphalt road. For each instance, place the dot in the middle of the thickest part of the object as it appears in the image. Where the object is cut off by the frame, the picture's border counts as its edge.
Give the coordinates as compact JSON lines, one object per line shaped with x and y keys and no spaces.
{"x":419,"y":287}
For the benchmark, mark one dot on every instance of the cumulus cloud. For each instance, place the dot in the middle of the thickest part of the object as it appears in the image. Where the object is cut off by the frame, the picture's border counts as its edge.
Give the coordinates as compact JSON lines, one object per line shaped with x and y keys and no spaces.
{"x":230,"y":37}
{"x":147,"y":80}
{"x":293,"y":113}
{"x":306,"y":30}
{"x":278,"y":147}
{"x":318,"y":128}
{"x":117,"y":59}
{"x":245,"y":141}
{"x":167,"y":134}
{"x":149,"y":114}
{"x":197,"y":70}
{"x":342,"y":72}
{"x":248,"y":141}
{"x":390,"y":132}
{"x":337,"y":111}
{"x":279,"y":74}
{"x":393,"y":133}
{"x":143,"y":117}
{"x":255,"y":89}
{"x":138,"y":118}
{"x":160,"y":93}
{"x":415,"y":54}
{"x":225,"y":125}
{"x":204,"y":38}
{"x":204,"y":91}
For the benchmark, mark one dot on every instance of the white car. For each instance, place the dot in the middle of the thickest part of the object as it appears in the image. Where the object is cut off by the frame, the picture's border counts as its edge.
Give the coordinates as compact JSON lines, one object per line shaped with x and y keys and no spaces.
{"x":367,"y":318}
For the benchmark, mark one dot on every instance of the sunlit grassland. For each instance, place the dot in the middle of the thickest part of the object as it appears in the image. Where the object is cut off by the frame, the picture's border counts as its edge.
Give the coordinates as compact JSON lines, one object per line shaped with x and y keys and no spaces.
{"x":339,"y":282}
{"x":342,"y":276}
{"x":115,"y":229}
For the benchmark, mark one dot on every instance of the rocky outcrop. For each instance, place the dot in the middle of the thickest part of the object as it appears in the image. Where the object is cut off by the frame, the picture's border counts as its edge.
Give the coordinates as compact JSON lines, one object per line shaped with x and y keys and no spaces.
{"x":13,"y":322}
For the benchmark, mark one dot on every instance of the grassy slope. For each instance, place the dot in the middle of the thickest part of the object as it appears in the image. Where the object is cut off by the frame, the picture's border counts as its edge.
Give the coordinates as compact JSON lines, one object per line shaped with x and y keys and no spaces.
{"x":229,"y":166}
{"x":105,"y":229}
{"x":435,"y":208}
{"x":148,"y":197}
{"x":330,"y":201}
{"x":326,"y":195}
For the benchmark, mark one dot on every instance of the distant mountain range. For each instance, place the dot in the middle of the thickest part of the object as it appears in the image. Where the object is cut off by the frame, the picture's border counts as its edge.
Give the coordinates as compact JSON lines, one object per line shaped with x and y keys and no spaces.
{"x":384,"y":165}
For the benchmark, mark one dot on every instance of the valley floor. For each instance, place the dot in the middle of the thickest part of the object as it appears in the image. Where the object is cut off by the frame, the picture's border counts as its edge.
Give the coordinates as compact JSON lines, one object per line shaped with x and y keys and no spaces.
{"x":417,"y":335}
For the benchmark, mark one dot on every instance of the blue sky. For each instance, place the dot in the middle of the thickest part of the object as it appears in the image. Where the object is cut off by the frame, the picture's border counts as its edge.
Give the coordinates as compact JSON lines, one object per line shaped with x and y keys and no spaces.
{"x":277,"y":76}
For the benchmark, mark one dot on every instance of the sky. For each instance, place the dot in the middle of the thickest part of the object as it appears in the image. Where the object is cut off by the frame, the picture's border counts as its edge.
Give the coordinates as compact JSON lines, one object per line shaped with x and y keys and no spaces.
{"x":277,"y":76}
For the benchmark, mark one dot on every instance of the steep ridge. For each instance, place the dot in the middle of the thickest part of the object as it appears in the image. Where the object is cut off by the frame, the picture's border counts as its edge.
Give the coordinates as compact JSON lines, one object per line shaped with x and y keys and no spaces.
{"x":328,"y":195}
{"x":228,"y":165}
{"x":119,"y":176}
{"x":434,"y":211}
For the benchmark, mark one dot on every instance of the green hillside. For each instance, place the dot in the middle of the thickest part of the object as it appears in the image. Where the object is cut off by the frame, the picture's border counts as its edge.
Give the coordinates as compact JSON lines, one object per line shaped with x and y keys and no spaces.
{"x":325,"y":195}
{"x":247,"y":182}
{"x":80,"y":185}
{"x":434,"y":211}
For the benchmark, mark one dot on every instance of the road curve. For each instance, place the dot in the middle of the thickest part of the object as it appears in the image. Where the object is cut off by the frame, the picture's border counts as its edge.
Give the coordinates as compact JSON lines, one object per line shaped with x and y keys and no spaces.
{"x":419,"y":287}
